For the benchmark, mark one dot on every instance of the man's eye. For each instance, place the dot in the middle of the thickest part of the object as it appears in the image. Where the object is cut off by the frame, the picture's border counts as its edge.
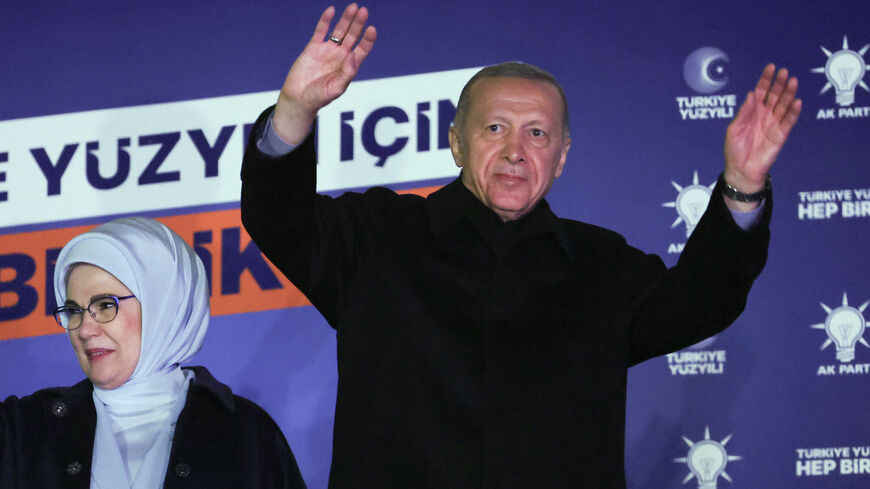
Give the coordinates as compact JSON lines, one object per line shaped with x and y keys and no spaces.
{"x":493,"y":127}
{"x":537,"y":133}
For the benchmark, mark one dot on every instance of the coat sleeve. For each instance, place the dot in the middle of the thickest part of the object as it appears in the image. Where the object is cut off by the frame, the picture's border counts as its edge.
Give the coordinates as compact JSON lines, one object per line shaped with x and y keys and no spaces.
{"x":7,"y":444}
{"x":272,"y":464}
{"x":705,"y":292}
{"x":315,"y":240}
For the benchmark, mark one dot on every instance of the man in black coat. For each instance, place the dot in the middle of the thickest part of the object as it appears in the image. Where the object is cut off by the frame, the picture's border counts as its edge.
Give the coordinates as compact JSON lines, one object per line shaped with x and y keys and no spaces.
{"x":483,"y":341}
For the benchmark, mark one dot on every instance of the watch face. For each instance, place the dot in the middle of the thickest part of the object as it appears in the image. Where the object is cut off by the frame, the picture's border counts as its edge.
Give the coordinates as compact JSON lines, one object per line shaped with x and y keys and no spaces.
{"x":734,"y":194}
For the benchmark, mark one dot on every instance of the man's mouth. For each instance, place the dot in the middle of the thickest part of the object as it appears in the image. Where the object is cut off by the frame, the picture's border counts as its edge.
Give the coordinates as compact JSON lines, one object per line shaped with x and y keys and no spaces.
{"x":510,"y":179}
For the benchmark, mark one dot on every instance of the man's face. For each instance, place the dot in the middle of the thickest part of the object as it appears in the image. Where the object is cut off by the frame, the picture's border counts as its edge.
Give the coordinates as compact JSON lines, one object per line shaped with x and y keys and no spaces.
{"x":511,"y":145}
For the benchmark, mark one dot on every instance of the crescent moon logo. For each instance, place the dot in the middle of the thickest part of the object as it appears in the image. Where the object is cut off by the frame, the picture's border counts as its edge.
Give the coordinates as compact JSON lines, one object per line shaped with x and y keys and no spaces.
{"x":705,"y":70}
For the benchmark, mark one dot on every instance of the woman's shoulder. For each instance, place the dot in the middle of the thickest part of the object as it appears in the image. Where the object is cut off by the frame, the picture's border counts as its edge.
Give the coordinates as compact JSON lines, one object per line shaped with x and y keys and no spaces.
{"x":206,"y":389}
{"x":226,"y":430}
{"x":34,"y":426}
{"x":81,"y":390}
{"x":213,"y":411}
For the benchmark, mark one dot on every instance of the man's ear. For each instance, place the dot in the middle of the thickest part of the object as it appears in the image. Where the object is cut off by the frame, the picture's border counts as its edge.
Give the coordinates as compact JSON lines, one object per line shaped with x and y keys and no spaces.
{"x":563,"y":157}
{"x":455,"y":145}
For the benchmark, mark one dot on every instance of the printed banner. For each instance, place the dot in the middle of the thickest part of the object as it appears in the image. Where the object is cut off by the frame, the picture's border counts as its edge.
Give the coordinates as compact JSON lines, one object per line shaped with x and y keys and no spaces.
{"x":241,"y":278}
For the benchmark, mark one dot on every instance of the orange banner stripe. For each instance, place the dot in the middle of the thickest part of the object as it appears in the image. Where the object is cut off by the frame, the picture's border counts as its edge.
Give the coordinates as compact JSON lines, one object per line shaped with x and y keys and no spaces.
{"x":249,"y":298}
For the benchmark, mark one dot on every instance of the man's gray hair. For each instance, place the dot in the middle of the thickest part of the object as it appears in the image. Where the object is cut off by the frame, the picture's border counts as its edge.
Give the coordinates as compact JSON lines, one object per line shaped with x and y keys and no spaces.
{"x":513,"y":69}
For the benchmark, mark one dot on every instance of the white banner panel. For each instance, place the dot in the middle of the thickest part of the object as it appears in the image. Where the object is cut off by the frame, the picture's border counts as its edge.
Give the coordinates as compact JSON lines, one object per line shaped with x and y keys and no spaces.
{"x":124,"y":160}
{"x":390,"y":130}
{"x":184,"y":154}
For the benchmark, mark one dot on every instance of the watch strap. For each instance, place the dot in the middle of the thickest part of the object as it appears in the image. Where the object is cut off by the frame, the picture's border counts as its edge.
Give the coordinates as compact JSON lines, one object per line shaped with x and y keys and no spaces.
{"x":732,"y":193}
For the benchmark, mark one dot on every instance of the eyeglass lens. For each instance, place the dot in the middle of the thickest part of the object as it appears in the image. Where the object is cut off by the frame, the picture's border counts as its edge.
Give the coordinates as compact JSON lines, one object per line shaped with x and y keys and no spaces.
{"x":102,"y":309}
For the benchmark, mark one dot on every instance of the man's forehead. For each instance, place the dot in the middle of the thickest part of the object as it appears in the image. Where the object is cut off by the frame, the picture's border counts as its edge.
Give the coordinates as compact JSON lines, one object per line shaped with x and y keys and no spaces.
{"x":506,"y":93}
{"x":496,"y":83}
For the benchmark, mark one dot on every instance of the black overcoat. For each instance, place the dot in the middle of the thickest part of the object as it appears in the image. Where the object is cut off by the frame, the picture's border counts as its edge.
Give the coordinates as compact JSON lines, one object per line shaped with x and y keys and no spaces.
{"x":221,"y":441}
{"x":476,"y":353}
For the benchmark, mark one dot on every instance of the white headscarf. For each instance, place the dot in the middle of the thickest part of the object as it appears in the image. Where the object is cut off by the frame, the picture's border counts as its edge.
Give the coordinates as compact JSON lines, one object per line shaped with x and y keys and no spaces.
{"x":136,"y":420}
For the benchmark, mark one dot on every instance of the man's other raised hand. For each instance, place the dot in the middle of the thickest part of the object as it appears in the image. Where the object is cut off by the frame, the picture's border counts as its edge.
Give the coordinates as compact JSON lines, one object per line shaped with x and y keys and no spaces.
{"x":759,"y":131}
{"x":323,"y":71}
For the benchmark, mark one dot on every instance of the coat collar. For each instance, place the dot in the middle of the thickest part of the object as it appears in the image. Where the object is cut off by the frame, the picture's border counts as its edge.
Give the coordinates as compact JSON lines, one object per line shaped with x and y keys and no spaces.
{"x":454,"y":201}
{"x":206,"y":382}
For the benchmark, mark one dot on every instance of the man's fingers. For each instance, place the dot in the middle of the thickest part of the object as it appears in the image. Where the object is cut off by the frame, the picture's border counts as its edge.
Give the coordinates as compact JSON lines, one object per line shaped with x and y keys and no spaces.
{"x":344,"y":23}
{"x":356,"y":27}
{"x":763,"y":85}
{"x":791,"y":117}
{"x":746,"y":109}
{"x":322,"y":25}
{"x":773,"y":95}
{"x":784,"y":104}
{"x":366,"y":44}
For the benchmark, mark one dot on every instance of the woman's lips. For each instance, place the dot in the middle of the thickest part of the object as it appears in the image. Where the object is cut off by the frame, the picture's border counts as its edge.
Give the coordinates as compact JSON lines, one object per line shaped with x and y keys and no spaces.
{"x":97,"y":353}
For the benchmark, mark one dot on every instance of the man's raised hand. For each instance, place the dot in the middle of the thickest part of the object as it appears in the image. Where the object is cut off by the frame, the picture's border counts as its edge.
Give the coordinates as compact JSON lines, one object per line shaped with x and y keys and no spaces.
{"x":323,"y":71}
{"x":760,"y":129}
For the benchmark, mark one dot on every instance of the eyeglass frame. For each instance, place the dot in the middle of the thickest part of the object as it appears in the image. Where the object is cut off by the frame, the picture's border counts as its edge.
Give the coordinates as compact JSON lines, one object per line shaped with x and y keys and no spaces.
{"x":93,"y":315}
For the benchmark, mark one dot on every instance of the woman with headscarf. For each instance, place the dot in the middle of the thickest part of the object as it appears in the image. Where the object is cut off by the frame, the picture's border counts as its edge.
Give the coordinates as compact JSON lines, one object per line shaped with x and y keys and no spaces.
{"x":134,"y":300}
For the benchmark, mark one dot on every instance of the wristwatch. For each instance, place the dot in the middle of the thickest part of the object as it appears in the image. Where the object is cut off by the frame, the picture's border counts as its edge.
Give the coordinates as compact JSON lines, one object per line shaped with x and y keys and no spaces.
{"x":734,"y":194}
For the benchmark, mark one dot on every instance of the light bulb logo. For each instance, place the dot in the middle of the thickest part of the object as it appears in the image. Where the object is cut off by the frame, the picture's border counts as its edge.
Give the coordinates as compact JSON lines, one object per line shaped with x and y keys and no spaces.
{"x":707,"y":460}
{"x":691,"y":203}
{"x":845,"y":327}
{"x":845,"y":70}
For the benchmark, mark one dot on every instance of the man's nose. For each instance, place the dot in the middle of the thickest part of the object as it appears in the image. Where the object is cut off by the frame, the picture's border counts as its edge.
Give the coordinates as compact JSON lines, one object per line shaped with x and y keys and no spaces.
{"x":514,"y":150}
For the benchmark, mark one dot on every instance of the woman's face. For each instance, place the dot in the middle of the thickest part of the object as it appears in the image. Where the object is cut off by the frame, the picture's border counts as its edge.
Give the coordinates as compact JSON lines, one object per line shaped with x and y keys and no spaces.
{"x":107,"y":352}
